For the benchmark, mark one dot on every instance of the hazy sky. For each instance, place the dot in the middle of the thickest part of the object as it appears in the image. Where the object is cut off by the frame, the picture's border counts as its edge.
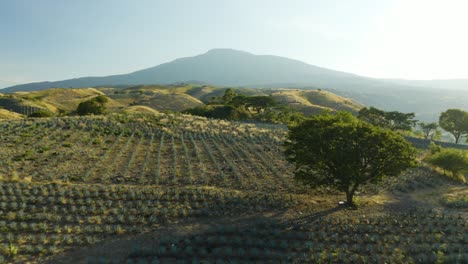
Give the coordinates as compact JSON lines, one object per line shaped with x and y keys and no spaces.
{"x":61,"y":39}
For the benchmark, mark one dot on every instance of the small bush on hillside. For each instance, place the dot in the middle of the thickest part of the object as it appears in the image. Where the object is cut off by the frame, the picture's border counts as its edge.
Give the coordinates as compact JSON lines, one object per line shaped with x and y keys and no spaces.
{"x":41,"y":113}
{"x":95,"y":106}
{"x":220,"y":112}
{"x":434,"y":148}
{"x":455,"y":161}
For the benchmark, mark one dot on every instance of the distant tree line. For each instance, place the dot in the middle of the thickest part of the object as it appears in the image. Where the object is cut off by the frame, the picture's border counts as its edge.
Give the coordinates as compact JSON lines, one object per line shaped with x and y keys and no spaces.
{"x":239,"y":107}
{"x":454,"y":121}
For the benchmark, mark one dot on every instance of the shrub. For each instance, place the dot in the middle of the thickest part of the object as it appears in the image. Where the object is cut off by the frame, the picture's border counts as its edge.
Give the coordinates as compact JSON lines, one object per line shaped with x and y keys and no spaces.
{"x":434,"y":148}
{"x":95,"y":106}
{"x":455,"y":161}
{"x":41,"y":113}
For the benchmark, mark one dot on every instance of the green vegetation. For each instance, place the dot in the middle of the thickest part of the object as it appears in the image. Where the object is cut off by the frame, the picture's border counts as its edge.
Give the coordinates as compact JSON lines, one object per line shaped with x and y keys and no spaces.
{"x":95,"y":106}
{"x":388,"y":239}
{"x":220,"y":112}
{"x":455,"y":121}
{"x":392,"y":120}
{"x":41,"y":113}
{"x":181,"y":188}
{"x":342,"y":152}
{"x":455,"y":199}
{"x":186,"y":189}
{"x":239,"y":107}
{"x":203,"y":100}
{"x":452,"y":160}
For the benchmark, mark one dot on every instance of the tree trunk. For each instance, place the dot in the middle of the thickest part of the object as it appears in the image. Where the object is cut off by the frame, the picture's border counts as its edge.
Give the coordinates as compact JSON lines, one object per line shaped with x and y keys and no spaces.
{"x":350,"y":195}
{"x":349,"y":199}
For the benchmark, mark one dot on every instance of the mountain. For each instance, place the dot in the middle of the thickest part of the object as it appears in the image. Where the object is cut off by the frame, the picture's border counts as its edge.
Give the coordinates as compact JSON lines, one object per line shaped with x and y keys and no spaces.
{"x":223,"y":67}
{"x":227,"y":67}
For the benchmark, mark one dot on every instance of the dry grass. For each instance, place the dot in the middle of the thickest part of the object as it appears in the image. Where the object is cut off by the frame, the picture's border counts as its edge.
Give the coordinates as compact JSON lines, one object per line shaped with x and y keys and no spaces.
{"x":315,"y":101}
{"x":5,"y":114}
{"x":140,"y":109}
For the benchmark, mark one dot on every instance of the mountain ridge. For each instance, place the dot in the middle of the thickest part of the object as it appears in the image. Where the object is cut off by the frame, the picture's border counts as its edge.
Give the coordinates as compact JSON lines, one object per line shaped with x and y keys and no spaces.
{"x":234,"y":68}
{"x":164,"y":73}
{"x":225,"y":55}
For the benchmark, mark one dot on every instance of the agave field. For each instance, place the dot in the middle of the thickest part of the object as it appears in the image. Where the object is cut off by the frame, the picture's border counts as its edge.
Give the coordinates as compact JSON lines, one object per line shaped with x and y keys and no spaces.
{"x":165,"y":151}
{"x":72,"y":182}
{"x":416,"y":236}
{"x":44,"y":219}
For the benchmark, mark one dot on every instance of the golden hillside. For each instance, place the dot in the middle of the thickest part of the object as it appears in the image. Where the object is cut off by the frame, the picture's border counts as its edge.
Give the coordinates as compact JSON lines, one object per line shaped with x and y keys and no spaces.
{"x":314,"y":101}
{"x":5,"y":114}
{"x":166,"y":98}
{"x":140,"y":109}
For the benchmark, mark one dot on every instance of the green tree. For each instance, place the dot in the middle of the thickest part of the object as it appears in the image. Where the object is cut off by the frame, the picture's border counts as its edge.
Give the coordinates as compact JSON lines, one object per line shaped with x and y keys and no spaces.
{"x":95,"y":106}
{"x":429,"y":129}
{"x":261,"y":103}
{"x":229,"y":94}
{"x":101,"y":99}
{"x":282,"y":115}
{"x":455,"y":161}
{"x":454,"y":121}
{"x":393,"y":120}
{"x":239,"y":100}
{"x":343,"y":152}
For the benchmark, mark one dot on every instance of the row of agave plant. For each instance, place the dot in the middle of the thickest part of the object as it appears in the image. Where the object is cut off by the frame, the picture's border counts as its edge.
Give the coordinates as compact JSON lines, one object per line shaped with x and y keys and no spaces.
{"x":455,"y":201}
{"x":395,"y":238}
{"x":147,"y":124}
{"x":77,"y":149}
{"x":40,"y":219}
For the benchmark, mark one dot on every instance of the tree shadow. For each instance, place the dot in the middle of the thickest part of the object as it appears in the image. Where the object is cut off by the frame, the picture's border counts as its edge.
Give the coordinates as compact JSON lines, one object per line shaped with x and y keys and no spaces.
{"x":310,"y":218}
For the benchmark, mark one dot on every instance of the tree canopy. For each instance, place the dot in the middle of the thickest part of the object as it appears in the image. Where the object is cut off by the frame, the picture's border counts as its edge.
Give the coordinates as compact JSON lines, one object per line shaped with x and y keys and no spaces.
{"x":257,"y":103}
{"x":233,"y":106}
{"x":393,"y":120}
{"x":229,"y":94}
{"x":454,"y":121}
{"x":343,"y":152}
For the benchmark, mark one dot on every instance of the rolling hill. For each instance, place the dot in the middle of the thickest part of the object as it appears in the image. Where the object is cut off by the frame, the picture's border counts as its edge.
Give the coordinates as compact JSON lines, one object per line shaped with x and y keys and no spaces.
{"x":160,"y":98}
{"x":5,"y":114}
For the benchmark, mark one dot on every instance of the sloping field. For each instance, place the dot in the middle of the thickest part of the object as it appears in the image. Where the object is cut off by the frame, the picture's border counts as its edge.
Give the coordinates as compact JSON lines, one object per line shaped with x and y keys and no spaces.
{"x":315,"y":101}
{"x":5,"y":114}
{"x":165,"y":188}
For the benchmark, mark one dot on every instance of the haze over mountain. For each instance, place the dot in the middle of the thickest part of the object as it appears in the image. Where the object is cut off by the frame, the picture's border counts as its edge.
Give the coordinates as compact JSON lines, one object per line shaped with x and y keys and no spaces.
{"x":227,"y":67}
{"x":454,"y":84}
